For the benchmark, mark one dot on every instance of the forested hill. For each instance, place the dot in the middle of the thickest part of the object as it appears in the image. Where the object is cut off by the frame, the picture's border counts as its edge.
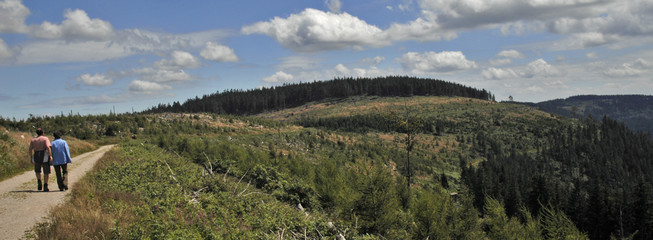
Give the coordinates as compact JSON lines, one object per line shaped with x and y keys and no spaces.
{"x":636,"y":111}
{"x":241,"y":102}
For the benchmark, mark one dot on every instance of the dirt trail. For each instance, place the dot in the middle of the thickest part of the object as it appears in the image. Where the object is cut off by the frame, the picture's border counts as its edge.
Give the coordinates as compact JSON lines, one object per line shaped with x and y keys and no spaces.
{"x":22,"y":206}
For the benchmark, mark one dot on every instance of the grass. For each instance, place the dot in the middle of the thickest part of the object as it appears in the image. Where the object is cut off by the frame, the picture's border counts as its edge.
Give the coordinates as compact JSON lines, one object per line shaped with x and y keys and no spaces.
{"x":14,"y":151}
{"x":91,"y":212}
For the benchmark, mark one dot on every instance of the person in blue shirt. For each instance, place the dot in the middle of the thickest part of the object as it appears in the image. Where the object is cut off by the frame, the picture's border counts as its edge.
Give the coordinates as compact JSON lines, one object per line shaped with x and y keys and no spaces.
{"x":60,"y":159}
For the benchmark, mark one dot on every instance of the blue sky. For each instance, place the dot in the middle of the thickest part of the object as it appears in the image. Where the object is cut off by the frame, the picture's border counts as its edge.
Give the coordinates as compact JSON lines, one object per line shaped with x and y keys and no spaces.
{"x":90,"y":56}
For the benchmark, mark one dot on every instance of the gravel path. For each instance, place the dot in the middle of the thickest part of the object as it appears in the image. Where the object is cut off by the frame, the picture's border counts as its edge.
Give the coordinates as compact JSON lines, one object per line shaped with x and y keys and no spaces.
{"x":22,"y":206}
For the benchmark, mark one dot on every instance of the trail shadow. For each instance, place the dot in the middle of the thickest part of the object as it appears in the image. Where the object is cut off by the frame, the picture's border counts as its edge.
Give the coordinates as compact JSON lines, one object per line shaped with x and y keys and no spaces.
{"x":29,"y":191}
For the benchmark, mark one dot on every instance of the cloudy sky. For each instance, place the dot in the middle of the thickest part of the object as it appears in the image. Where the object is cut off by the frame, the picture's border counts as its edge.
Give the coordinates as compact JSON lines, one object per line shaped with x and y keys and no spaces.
{"x":91,"y":56}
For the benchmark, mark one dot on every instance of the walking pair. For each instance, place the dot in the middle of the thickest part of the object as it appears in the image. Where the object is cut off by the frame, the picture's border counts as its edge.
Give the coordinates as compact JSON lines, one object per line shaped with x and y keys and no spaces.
{"x":43,"y":154}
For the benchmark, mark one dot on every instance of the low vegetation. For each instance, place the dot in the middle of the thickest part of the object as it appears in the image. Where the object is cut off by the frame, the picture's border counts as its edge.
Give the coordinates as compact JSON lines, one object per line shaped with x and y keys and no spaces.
{"x":345,"y":167}
{"x":14,"y":151}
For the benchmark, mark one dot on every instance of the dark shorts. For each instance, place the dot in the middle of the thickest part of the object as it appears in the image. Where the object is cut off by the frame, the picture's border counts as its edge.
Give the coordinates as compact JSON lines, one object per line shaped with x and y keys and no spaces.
{"x":38,"y":165}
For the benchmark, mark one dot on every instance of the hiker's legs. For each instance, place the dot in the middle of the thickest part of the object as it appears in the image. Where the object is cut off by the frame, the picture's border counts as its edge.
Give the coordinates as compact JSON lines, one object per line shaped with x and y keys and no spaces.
{"x":37,"y":171}
{"x":46,"y":174}
{"x":64,"y":172}
{"x":57,"y":171}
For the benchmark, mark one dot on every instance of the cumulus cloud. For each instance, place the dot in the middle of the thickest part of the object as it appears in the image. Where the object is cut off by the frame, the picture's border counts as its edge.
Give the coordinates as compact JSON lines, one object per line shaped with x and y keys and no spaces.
{"x":374,"y":61}
{"x":498,"y":73}
{"x":435,"y":62}
{"x":95,"y":80}
{"x":419,"y":29}
{"x":501,"y":61}
{"x":218,"y":53}
{"x":82,"y":38}
{"x":77,"y":25}
{"x":591,"y":55}
{"x":179,"y":59}
{"x":510,"y":54}
{"x":588,"y":22}
{"x":314,"y":30}
{"x":162,"y":75}
{"x":342,"y":70}
{"x":5,"y":52}
{"x":537,"y":68}
{"x":631,"y":69}
{"x":465,"y":14}
{"x":587,"y":40}
{"x":12,"y":16}
{"x":541,"y":68}
{"x":279,"y":77}
{"x":139,"y":86}
{"x":124,"y":43}
{"x":333,"y":5}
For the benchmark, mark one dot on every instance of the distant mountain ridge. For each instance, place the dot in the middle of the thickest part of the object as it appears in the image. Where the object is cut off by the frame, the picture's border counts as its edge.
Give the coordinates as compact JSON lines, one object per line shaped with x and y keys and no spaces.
{"x":636,"y":111}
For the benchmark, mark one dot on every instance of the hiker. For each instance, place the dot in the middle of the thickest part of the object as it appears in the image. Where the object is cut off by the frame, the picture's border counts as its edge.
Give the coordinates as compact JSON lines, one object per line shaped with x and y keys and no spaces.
{"x":60,"y":160}
{"x":41,"y":160}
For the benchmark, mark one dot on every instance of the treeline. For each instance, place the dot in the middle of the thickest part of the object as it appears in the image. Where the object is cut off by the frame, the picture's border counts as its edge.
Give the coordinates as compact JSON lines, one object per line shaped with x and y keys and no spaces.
{"x":598,"y":172}
{"x":96,"y":127}
{"x":240,"y":102}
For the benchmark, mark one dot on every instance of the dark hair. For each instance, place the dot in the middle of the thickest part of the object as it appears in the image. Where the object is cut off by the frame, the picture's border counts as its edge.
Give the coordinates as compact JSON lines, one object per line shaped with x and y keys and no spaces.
{"x":57,"y":134}
{"x":39,"y":131}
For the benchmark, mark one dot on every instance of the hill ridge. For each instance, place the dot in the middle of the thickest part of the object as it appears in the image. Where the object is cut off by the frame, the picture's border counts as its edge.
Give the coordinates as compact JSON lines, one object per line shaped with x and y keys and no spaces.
{"x":246,"y":102}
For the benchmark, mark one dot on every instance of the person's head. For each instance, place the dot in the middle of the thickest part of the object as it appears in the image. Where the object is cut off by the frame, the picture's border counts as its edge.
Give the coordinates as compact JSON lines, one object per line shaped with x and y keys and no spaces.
{"x":57,"y":134}
{"x":39,"y":131}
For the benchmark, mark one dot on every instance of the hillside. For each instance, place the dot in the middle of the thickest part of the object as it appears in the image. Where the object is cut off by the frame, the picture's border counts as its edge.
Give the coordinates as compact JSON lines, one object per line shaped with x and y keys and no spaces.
{"x":255,"y":101}
{"x":636,"y":111}
{"x":14,"y":146}
{"x":364,"y":167}
{"x":212,"y":176}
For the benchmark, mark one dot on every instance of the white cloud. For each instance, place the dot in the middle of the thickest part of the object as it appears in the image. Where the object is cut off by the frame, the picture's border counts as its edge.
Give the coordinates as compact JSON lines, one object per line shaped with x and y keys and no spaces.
{"x":538,"y":68}
{"x":5,"y":52}
{"x":124,"y":43}
{"x":297,"y":63}
{"x":95,"y":80}
{"x":179,"y":59}
{"x":636,"y":68}
{"x":541,"y":68}
{"x":587,"y":40}
{"x":342,"y":70}
{"x":139,"y":86}
{"x":465,"y":14}
{"x":218,"y":53}
{"x":59,"y":51}
{"x":418,"y":30}
{"x":314,"y":30}
{"x":12,"y":16}
{"x":77,"y":25}
{"x":163,"y":75}
{"x":435,"y":62}
{"x":333,"y":5}
{"x":591,"y":55}
{"x":374,"y":61}
{"x":589,"y":23}
{"x":501,"y":61}
{"x":279,"y":77}
{"x":510,"y":54}
{"x":498,"y":73}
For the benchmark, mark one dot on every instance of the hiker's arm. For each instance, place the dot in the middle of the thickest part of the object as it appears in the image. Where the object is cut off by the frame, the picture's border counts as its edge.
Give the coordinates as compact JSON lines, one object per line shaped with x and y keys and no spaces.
{"x":50,"y":152}
{"x":31,"y":153}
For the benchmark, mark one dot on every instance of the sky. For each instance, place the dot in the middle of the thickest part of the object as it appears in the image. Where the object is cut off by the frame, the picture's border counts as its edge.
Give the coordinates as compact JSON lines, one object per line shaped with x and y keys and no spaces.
{"x":95,"y":57}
